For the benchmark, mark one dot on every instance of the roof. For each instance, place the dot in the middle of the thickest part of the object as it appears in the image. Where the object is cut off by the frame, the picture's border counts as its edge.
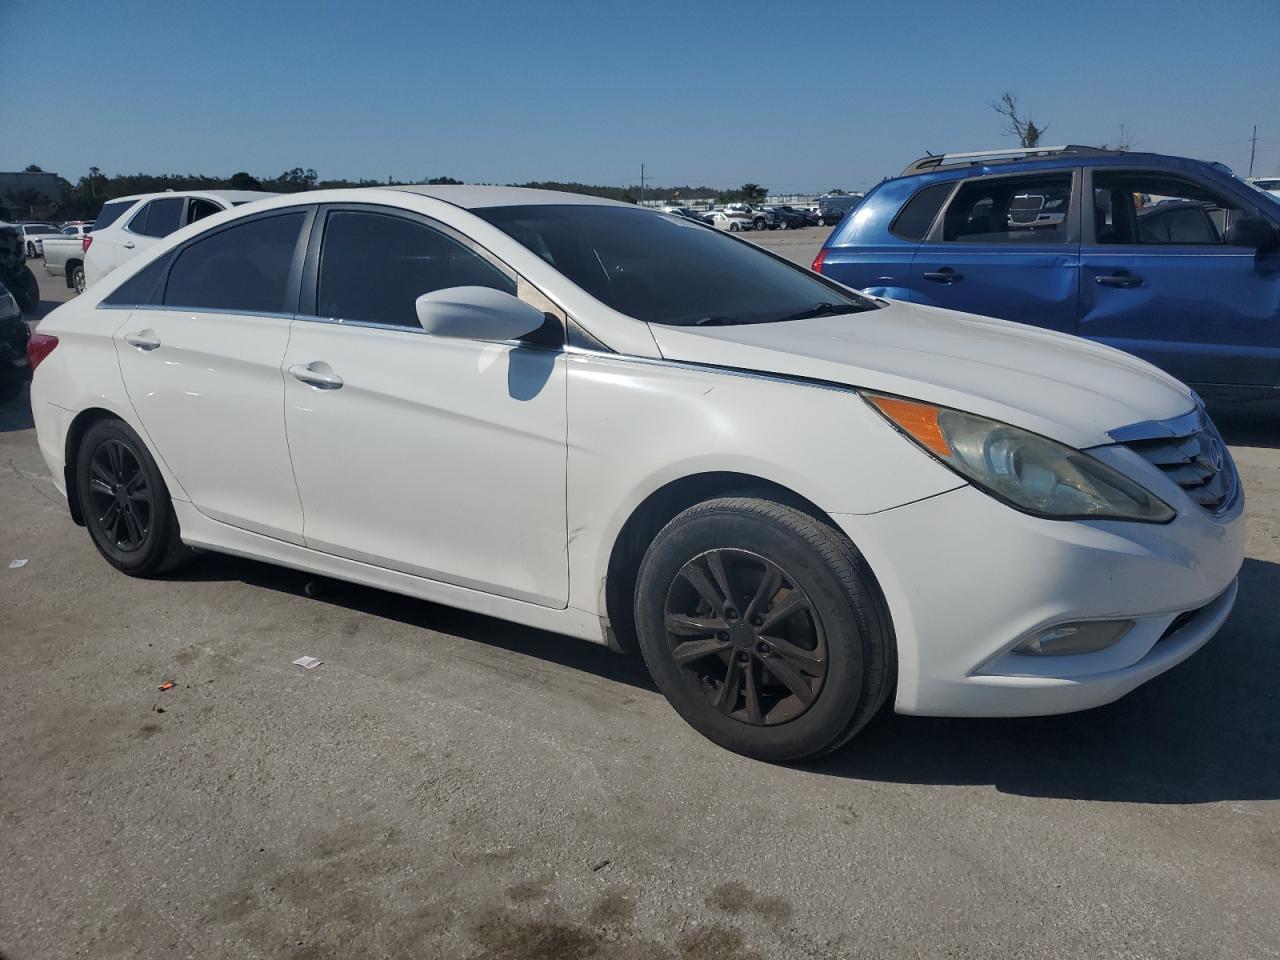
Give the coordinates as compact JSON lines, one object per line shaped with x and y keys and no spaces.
{"x":231,"y":196}
{"x":474,"y":196}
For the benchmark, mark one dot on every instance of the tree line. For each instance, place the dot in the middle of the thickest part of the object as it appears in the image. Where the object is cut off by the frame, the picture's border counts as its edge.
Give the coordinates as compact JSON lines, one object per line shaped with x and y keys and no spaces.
{"x":83,"y":199}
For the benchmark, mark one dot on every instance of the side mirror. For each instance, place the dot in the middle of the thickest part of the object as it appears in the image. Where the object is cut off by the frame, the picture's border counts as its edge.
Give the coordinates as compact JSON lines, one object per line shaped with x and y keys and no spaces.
{"x":1255,"y":232}
{"x":477,"y":313}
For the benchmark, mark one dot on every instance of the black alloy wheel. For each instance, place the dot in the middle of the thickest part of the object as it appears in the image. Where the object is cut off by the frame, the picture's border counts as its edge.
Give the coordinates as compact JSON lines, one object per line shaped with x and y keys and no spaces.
{"x":743,"y":627}
{"x":124,"y":502}
{"x":764,"y":627}
{"x":121,"y":501}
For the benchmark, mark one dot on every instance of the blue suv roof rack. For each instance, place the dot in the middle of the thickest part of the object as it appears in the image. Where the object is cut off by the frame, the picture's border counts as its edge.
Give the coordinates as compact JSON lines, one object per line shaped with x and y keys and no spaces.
{"x":935,"y":161}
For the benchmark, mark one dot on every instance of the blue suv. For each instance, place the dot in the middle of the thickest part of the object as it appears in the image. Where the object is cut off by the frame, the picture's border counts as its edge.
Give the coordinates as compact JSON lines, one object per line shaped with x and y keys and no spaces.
{"x":1175,"y":260}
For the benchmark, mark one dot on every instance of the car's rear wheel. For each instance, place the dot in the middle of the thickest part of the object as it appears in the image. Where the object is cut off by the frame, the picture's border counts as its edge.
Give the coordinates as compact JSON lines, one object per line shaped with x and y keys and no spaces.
{"x":77,"y":278}
{"x":764,"y":628}
{"x":125,"y":503}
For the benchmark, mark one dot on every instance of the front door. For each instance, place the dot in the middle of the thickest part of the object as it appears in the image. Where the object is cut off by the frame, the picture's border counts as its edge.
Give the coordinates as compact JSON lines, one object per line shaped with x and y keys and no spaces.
{"x":202,"y":369}
{"x":1007,"y":247}
{"x":438,"y":457}
{"x":1159,"y":280}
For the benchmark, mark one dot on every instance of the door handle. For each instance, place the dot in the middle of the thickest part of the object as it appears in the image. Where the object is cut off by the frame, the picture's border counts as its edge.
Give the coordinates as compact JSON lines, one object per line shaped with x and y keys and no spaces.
{"x":945,"y":275}
{"x":145,"y":341}
{"x":128,"y":244}
{"x":315,"y":378}
{"x":1121,"y":278}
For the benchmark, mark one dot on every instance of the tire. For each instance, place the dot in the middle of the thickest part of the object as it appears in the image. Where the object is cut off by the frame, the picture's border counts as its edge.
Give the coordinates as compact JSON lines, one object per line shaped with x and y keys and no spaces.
{"x":734,"y":228}
{"x":822,"y":222}
{"x":759,"y":224}
{"x":31,"y":251}
{"x":790,"y":574}
{"x":143,"y":540}
{"x":77,"y":278}
{"x":26,"y":290}
{"x":785,"y":225}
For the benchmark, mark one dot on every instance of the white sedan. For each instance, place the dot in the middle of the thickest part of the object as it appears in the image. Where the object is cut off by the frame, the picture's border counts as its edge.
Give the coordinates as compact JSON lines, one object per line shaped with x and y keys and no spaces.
{"x":798,"y":502}
{"x":728,"y":220}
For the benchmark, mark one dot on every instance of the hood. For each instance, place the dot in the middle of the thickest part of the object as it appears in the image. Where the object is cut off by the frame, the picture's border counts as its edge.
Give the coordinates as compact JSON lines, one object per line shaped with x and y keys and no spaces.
{"x":1060,"y":386}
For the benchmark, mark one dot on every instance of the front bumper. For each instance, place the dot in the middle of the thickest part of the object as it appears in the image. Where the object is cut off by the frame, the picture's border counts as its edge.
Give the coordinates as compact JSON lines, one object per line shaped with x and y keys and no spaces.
{"x":967,"y":578}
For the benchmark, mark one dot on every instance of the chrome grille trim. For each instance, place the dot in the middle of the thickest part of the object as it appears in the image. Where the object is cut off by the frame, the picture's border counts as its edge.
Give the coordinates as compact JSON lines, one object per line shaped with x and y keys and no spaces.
{"x":1190,"y":452}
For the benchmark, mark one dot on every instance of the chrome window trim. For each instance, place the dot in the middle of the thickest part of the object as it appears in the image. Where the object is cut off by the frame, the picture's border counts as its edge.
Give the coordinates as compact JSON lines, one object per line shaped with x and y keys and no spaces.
{"x":173,"y":308}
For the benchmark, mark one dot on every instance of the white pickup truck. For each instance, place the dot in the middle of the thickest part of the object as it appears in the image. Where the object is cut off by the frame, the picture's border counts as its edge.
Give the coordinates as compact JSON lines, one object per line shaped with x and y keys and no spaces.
{"x":64,"y":257}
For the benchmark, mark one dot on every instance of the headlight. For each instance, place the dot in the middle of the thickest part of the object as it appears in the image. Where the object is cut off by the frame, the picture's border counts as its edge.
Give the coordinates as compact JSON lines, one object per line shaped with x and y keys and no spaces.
{"x":1025,"y":470}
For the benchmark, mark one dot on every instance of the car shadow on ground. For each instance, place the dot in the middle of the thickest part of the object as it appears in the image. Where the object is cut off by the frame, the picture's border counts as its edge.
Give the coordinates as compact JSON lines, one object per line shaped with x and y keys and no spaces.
{"x":501,"y":634}
{"x":1248,"y":424}
{"x":1204,"y":732}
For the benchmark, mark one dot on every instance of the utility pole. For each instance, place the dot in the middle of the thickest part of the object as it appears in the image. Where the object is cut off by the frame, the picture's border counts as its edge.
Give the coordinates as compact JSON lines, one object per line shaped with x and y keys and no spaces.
{"x":642,"y":182}
{"x":1253,"y":148}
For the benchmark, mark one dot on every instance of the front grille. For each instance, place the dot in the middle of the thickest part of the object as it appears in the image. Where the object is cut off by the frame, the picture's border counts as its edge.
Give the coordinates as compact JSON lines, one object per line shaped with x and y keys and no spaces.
{"x":1194,"y":457}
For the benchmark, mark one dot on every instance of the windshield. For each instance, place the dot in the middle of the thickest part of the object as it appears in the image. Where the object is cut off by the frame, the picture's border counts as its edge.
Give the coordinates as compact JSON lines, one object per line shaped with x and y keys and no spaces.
{"x":670,"y":270}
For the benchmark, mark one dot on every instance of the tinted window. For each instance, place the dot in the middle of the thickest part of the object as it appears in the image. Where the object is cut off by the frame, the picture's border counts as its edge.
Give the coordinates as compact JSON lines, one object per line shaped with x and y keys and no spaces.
{"x":917,"y":216}
{"x":1010,"y":210}
{"x":198,"y":209}
{"x":664,"y":269}
{"x":141,"y":287}
{"x":373,"y":267}
{"x":1156,"y":209}
{"x":111,"y":212}
{"x":243,"y":268}
{"x":159,"y":218}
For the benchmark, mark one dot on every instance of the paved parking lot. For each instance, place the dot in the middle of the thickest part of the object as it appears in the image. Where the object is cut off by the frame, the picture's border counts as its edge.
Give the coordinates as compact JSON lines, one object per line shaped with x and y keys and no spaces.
{"x":446,"y":785}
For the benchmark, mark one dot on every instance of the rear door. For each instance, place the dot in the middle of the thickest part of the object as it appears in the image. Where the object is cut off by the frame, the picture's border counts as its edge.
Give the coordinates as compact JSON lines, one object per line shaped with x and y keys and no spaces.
{"x":1159,"y":279}
{"x":1007,"y":247}
{"x":202,"y":367}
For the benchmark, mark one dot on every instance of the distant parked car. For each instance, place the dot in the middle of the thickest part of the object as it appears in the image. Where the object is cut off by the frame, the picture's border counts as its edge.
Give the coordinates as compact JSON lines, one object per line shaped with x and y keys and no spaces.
{"x":1269,"y":185}
{"x":33,"y":235}
{"x":129,"y":225}
{"x":687,"y":212}
{"x":788,"y":218}
{"x":730,"y":220}
{"x":1171,"y":259}
{"x":77,"y":228}
{"x":834,"y":208}
{"x":761,"y":219}
{"x":14,"y":334}
{"x":64,"y":257}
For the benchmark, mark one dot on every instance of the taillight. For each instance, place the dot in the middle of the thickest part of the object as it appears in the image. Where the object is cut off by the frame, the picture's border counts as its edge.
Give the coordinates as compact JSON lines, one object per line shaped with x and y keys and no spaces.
{"x":85,"y":241}
{"x":816,"y":266}
{"x":38,"y":347}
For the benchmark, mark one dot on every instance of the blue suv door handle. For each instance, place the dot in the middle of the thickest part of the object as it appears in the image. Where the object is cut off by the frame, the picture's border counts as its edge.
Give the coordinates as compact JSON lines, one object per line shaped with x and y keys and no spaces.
{"x":1121,"y":278}
{"x":945,"y":275}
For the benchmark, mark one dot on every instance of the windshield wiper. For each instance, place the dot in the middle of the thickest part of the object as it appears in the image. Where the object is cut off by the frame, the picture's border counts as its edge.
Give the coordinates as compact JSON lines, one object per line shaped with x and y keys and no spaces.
{"x":718,"y":322}
{"x":824,"y":309}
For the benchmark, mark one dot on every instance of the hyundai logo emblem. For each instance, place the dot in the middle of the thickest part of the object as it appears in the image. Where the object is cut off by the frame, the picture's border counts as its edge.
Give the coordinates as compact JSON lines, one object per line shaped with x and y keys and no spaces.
{"x":1217,"y":456}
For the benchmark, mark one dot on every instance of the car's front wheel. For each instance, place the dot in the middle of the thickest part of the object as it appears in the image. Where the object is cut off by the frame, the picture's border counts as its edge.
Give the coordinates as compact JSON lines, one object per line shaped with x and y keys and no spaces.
{"x":125,"y":503}
{"x":764,"y":628}
{"x":31,"y":250}
{"x":733,"y":228}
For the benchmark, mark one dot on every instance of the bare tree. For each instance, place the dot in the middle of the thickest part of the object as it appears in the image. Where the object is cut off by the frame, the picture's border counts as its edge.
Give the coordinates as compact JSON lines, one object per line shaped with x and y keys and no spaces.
{"x":1017,"y":123}
{"x":1124,"y":140}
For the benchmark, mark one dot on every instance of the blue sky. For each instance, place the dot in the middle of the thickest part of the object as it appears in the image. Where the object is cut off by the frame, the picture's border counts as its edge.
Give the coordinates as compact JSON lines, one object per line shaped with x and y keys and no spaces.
{"x":794,"y":96}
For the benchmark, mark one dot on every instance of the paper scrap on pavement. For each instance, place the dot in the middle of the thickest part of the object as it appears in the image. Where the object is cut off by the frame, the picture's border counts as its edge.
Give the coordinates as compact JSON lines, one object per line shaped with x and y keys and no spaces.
{"x":15,"y":564}
{"x":309,"y":662}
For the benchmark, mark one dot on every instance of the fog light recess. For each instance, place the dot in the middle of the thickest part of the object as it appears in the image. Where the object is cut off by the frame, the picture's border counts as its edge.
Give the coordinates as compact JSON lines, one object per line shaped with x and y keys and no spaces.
{"x":1068,"y":639}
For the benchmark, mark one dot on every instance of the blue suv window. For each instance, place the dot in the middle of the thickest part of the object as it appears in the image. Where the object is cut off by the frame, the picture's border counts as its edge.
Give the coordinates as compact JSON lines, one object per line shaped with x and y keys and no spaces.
{"x":1010,"y":210}
{"x":915,"y":219}
{"x":1157,"y":209}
